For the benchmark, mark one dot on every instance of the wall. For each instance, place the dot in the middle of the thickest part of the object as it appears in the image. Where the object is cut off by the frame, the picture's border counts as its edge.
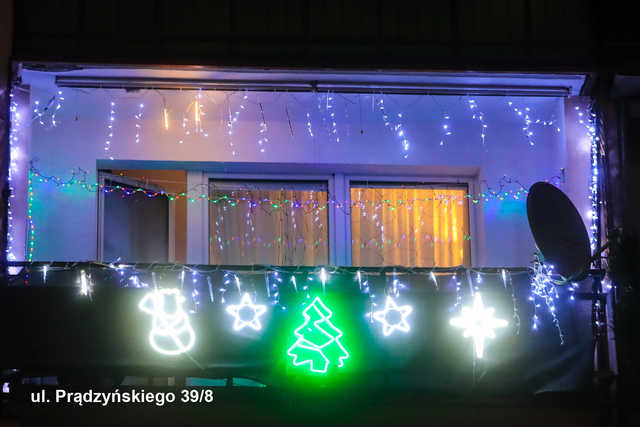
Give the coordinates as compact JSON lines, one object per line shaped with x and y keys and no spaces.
{"x":66,"y":220}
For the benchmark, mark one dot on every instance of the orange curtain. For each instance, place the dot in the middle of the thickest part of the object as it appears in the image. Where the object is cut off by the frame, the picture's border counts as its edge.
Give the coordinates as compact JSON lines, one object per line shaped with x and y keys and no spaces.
{"x":416,"y":227}
{"x":241,"y":233}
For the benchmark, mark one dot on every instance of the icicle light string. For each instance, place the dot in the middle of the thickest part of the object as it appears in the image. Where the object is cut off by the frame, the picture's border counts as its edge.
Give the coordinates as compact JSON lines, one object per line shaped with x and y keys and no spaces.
{"x":479,"y":116}
{"x":233,"y":118}
{"x":138,"y":118}
{"x":528,"y":121}
{"x":262,"y":132}
{"x":46,"y":116}
{"x":544,"y":290}
{"x":395,"y":126}
{"x":110,"y":127}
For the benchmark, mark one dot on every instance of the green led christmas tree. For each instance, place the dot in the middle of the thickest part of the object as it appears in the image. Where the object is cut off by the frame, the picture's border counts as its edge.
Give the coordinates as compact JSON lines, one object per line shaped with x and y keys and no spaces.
{"x":318,"y":340}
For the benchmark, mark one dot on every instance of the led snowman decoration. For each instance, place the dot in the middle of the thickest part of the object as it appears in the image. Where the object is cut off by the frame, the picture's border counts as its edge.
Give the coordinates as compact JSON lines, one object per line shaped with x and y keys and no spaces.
{"x":171,"y":333}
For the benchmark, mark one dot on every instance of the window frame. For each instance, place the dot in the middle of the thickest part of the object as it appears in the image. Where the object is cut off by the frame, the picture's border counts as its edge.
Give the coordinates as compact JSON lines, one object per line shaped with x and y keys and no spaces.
{"x":339,"y":188}
{"x":472,"y":183}
{"x":103,"y":177}
{"x":328,"y":178}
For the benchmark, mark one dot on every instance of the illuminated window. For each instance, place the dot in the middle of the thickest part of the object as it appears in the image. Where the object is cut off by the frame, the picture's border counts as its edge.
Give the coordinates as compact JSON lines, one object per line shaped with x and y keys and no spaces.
{"x":415,"y":225}
{"x":268,"y":222}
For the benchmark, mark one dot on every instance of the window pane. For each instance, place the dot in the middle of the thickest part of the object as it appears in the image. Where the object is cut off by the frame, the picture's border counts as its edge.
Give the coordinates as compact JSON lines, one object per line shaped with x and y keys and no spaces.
{"x":409,"y":225}
{"x":267,"y":222}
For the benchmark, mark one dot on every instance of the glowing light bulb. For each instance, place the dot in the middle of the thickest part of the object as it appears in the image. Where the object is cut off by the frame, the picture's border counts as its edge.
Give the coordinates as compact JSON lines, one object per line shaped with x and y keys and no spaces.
{"x":165,"y":118}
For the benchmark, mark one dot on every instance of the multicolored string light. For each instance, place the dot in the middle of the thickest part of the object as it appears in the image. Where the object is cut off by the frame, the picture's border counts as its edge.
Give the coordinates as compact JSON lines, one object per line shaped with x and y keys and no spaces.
{"x":501,"y":194}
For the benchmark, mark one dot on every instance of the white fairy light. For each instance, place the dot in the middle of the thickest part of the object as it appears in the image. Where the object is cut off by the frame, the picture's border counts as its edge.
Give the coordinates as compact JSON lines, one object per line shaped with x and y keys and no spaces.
{"x":171,"y":333}
{"x":544,"y":288}
{"x":478,"y":322}
{"x":165,"y":117}
{"x":309,"y":130}
{"x":236,"y":280}
{"x":479,"y":116}
{"x":447,"y":130}
{"x":138,"y":117}
{"x":395,"y":127}
{"x":239,"y":312}
{"x":393,"y":317}
{"x":433,"y":279}
{"x":262,"y":132}
{"x":332,"y":118}
{"x":110,"y":126}
{"x":85,"y":284}
{"x":233,"y":118}
{"x":196,"y":113}
{"x":14,"y":152}
{"x":323,"y":278}
{"x":46,"y":114}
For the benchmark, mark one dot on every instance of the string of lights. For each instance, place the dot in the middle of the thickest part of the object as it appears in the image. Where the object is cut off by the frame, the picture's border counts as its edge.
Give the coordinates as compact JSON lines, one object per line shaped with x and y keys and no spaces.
{"x":110,"y":125}
{"x":479,"y":116}
{"x":544,"y":289}
{"x":528,"y":122}
{"x":395,"y":127}
{"x":332,"y":117}
{"x":226,"y":288}
{"x":78,"y":178}
{"x":262,"y":132}
{"x":138,"y":117}
{"x":31,"y":229}
{"x":233,"y":118}
{"x":587,"y":119}
{"x":46,"y":116}
{"x":282,"y":241}
{"x":14,"y":147}
{"x":447,"y":129}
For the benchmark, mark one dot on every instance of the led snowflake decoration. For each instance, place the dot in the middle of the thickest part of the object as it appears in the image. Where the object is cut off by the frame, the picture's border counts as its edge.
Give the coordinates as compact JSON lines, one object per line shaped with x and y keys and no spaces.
{"x":393,"y":317}
{"x":239,"y":312}
{"x":478,"y":322}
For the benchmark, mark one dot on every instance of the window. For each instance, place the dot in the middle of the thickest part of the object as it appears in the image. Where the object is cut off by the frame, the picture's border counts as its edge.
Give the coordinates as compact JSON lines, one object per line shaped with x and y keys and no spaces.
{"x":409,"y":224}
{"x":136,"y":222}
{"x":268,"y":222}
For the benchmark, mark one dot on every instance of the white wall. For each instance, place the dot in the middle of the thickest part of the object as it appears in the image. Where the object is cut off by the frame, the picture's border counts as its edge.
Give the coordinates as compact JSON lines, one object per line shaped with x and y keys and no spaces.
{"x":65,"y":220}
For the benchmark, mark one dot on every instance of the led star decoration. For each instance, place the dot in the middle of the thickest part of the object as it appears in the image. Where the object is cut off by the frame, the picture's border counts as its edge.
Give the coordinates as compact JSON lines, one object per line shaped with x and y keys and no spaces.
{"x":318,"y":340}
{"x":171,"y":333}
{"x":393,"y":317}
{"x":239,"y":312}
{"x":478,"y":322}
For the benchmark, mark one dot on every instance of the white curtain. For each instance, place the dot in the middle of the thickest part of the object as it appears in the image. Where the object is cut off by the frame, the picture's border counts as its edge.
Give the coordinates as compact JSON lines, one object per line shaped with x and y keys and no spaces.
{"x":268,"y":223}
{"x":418,"y":227}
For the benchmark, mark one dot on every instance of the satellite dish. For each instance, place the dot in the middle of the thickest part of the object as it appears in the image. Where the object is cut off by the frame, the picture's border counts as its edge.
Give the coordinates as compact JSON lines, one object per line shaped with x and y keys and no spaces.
{"x":558,"y":230}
